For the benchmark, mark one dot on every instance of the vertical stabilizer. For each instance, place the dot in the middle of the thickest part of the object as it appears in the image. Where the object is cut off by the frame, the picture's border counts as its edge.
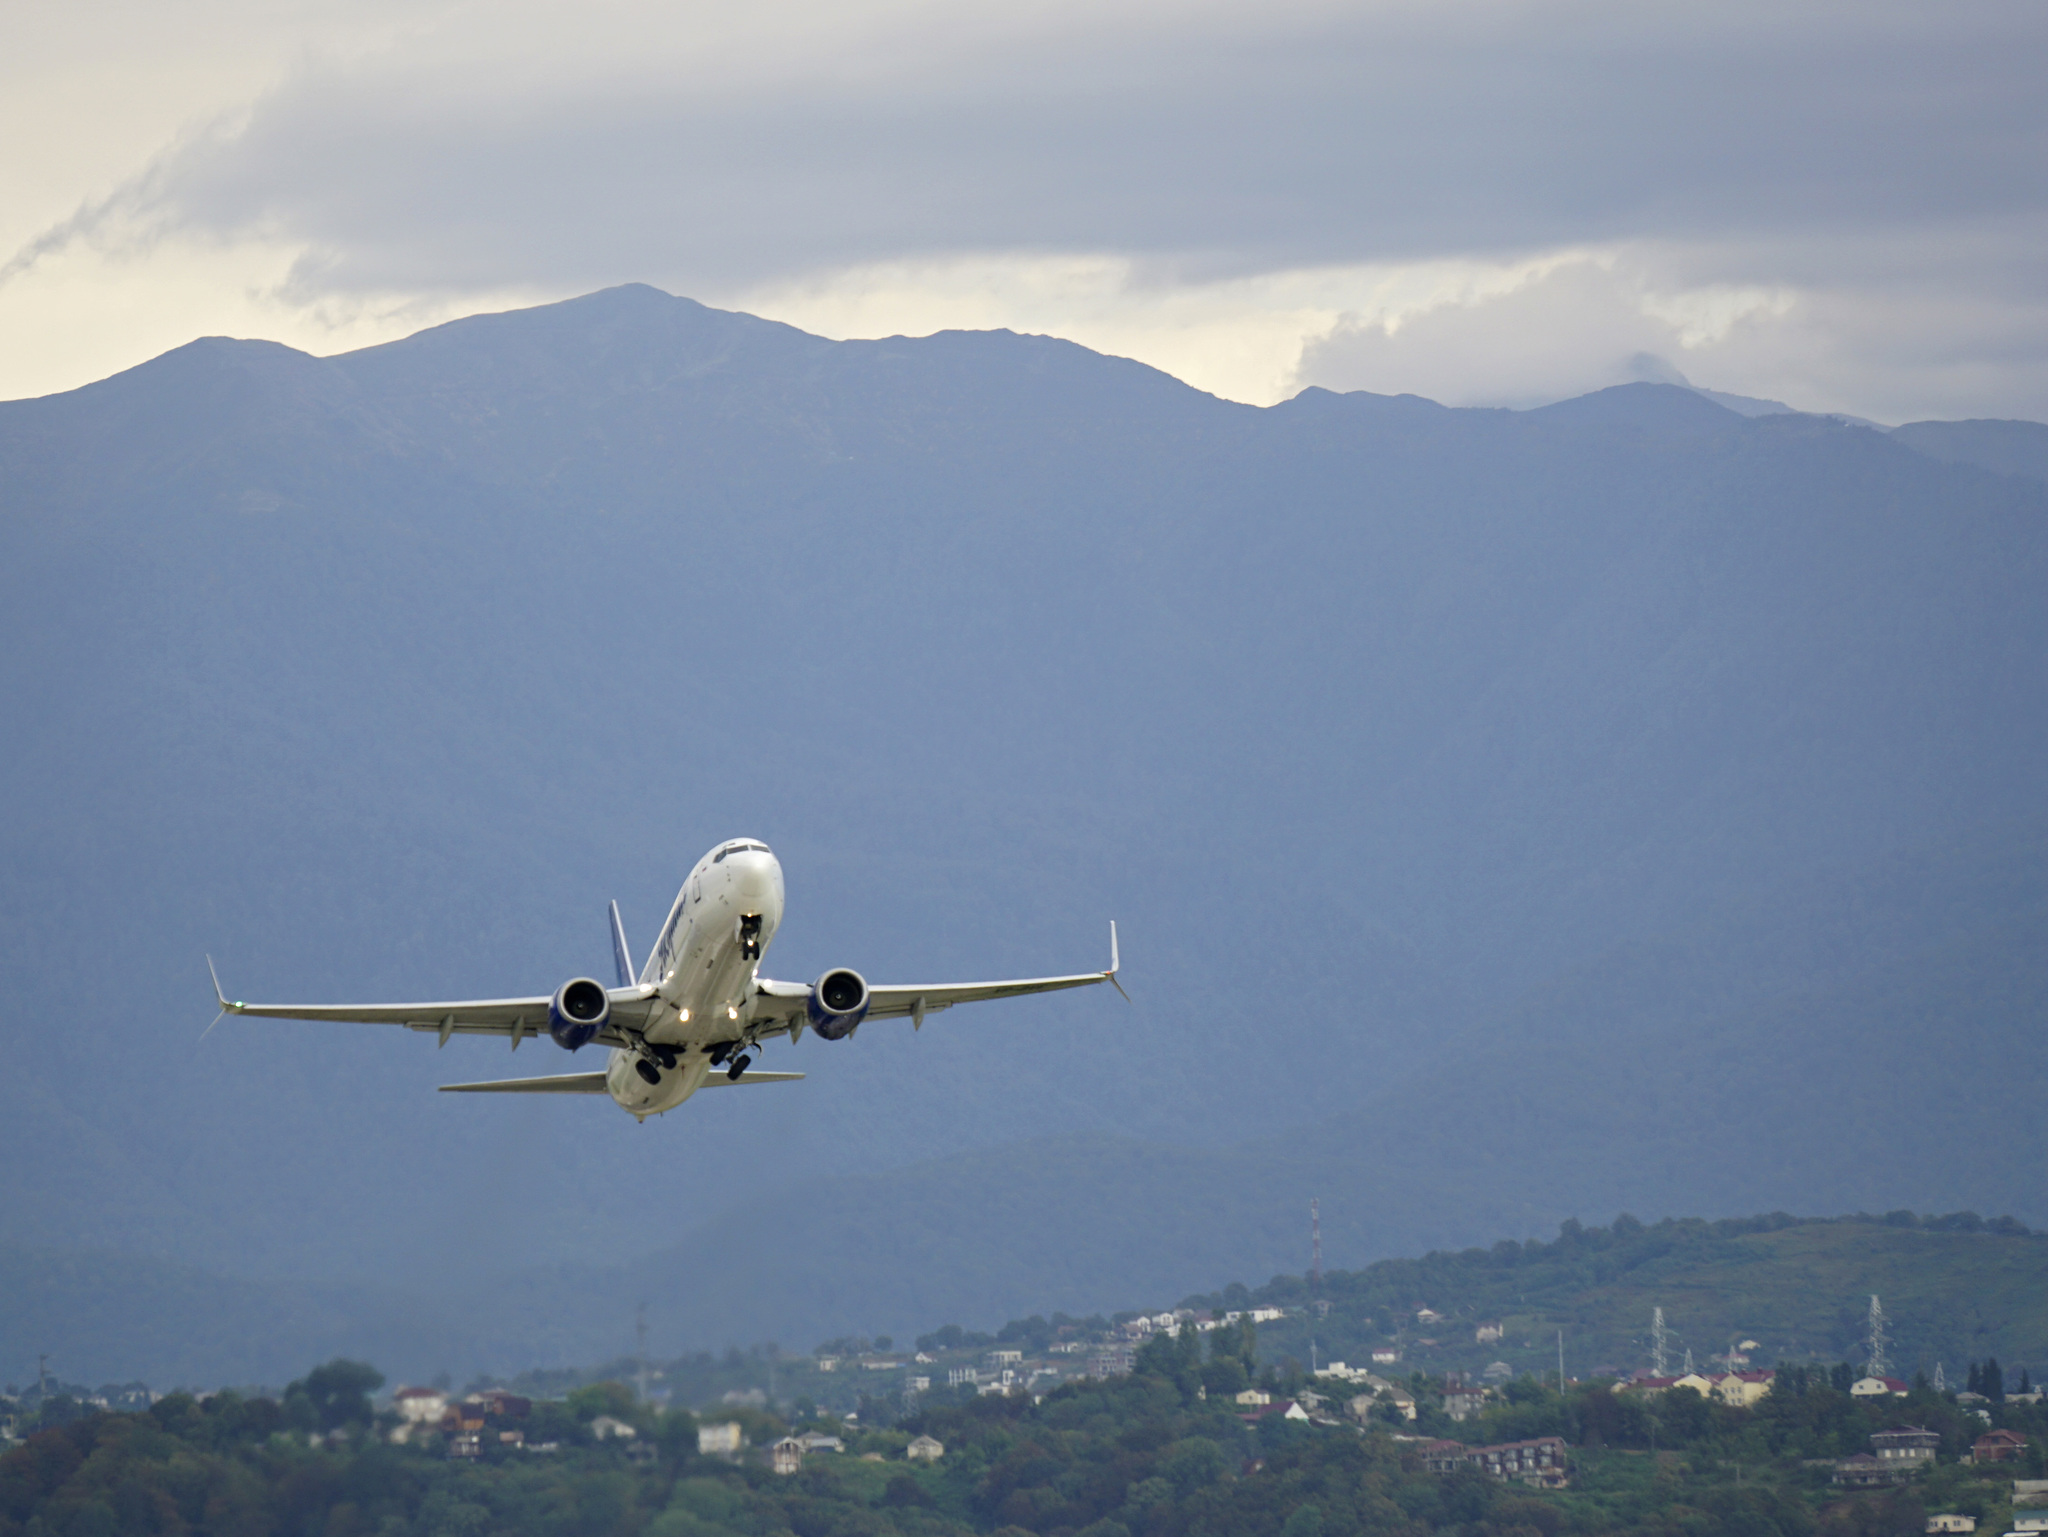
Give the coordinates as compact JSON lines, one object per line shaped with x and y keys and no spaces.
{"x":622,"y":958}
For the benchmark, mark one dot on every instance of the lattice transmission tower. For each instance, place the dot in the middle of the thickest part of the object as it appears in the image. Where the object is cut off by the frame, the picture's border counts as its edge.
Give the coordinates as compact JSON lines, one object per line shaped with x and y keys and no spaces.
{"x":1660,"y":1356}
{"x":1879,"y":1364}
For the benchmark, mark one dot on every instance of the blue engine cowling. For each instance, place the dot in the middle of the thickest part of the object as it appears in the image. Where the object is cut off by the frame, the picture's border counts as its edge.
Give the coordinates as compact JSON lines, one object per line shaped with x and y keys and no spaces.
{"x":838,"y":1002}
{"x":578,"y":1012}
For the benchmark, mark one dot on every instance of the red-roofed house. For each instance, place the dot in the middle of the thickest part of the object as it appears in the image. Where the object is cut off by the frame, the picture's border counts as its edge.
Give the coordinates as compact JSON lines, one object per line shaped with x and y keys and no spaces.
{"x":1998,"y":1446}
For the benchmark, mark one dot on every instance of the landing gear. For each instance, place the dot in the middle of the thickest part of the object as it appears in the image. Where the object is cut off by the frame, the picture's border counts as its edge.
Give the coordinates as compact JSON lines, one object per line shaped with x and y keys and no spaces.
{"x":721,"y":1051}
{"x":648,"y":1071}
{"x":666,"y":1056}
{"x":749,"y":935}
{"x":739,"y":1065}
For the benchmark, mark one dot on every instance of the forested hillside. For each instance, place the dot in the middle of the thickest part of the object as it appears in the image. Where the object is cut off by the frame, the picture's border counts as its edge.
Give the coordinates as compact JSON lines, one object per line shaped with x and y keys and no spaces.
{"x":1160,"y":1453}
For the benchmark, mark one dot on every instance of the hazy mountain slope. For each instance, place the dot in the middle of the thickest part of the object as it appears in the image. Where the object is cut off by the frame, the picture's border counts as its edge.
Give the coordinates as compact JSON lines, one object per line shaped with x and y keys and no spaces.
{"x":1374,"y":723}
{"x":2008,"y":448}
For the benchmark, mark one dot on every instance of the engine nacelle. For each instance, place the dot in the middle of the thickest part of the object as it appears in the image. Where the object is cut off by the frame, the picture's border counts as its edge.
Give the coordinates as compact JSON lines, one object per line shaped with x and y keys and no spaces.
{"x":838,"y":1002}
{"x":578,"y":1012}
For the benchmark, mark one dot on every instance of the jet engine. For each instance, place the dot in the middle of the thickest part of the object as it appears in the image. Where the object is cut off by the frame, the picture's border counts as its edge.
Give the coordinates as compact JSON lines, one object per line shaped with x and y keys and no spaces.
{"x":838,"y":1002}
{"x":579,"y":1011}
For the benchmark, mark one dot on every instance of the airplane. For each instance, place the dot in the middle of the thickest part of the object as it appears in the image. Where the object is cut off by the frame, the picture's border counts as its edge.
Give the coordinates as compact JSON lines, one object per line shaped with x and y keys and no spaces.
{"x":696,"y":1013}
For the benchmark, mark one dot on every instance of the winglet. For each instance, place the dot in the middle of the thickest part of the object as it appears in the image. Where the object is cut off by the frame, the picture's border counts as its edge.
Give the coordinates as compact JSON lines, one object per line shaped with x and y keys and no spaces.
{"x":219,"y":997}
{"x":622,"y":957}
{"x":1115,"y":965}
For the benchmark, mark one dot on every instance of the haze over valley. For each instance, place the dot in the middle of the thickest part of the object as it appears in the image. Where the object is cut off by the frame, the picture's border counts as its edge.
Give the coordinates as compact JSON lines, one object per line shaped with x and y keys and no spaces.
{"x":1626,"y":805}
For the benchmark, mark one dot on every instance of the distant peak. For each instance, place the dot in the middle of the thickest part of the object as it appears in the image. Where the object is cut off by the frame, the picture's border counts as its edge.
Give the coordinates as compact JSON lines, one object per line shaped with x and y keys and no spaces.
{"x":1667,"y":407}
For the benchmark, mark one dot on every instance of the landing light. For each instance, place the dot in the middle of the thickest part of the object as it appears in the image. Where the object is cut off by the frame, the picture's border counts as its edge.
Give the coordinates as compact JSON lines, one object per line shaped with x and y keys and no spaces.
{"x":684,"y":1016}
{"x":731,"y":1012}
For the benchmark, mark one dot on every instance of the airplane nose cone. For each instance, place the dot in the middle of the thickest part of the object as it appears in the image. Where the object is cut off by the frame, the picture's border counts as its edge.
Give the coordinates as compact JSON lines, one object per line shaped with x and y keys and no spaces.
{"x":756,"y":878}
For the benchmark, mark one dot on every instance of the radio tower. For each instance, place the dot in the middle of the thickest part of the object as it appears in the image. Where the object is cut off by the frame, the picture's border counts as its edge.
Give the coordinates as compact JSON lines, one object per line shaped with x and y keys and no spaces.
{"x":1660,"y":1360}
{"x":1940,"y":1382}
{"x":1315,"y":1246}
{"x":1878,"y":1364}
{"x":1317,"y":1307}
{"x":640,"y":1340}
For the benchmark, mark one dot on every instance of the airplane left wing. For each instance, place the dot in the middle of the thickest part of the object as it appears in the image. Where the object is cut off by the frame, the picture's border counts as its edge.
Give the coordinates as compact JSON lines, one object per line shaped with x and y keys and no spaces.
{"x":515,"y":1018}
{"x":593,"y":1083}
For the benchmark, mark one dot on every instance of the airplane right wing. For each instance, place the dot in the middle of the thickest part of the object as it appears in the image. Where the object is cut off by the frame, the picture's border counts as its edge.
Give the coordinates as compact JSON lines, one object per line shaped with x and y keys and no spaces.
{"x":786,"y":1000}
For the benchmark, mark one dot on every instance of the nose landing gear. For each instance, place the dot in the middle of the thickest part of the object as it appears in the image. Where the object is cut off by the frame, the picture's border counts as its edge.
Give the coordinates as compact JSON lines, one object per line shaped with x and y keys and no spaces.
{"x":749,"y":935}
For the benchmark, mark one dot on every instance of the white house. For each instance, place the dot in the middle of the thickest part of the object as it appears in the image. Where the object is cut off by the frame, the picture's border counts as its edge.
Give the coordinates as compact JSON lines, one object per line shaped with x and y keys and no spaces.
{"x":720,"y":1440}
{"x":925,"y":1449}
{"x":605,"y":1428}
{"x":420,"y":1406}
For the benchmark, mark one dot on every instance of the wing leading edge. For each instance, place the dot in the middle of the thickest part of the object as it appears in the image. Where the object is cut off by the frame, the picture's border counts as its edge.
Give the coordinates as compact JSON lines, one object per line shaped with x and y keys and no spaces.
{"x":593,"y":1083}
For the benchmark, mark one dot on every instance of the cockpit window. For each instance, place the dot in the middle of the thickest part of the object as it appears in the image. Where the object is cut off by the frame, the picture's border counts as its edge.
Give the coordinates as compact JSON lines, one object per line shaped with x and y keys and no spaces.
{"x":739,"y":848}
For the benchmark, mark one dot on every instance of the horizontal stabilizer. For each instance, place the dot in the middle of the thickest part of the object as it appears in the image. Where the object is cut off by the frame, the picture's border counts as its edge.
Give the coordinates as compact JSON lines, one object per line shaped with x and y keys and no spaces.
{"x":719,"y":1080}
{"x":568,"y":1083}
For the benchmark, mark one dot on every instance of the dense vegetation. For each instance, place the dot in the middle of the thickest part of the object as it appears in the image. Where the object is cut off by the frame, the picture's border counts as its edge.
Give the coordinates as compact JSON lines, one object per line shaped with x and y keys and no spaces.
{"x":1159,"y":1453}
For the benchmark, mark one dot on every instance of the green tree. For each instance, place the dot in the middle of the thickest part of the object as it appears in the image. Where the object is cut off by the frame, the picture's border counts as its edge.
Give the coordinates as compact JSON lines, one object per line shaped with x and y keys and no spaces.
{"x":338,"y":1393}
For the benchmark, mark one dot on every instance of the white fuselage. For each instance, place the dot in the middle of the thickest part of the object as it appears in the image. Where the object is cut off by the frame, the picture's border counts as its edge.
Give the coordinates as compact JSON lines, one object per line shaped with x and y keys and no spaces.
{"x":702,"y":969}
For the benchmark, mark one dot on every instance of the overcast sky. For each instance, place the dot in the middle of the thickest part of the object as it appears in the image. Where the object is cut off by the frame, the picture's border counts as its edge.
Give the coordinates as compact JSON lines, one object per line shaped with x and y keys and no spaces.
{"x":1839,"y":205}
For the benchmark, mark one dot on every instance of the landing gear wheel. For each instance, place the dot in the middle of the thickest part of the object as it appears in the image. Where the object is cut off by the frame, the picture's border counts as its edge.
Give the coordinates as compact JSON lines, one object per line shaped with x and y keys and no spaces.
{"x":718,"y":1052}
{"x":648,"y":1071}
{"x":739,"y":1065}
{"x":666,"y":1056}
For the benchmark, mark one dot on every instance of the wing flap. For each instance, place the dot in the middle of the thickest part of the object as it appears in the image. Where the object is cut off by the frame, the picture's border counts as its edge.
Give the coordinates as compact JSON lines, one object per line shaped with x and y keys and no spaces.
{"x":720,"y":1081}
{"x":885,"y":1002}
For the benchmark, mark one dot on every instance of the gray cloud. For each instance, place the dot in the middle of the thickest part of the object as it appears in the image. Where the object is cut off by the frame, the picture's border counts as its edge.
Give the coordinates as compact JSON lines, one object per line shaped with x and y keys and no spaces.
{"x":1884,"y":164}
{"x":1226,"y":146}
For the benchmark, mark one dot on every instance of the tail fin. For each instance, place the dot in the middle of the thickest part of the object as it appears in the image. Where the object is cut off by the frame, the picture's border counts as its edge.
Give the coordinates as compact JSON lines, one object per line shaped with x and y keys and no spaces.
{"x":622,"y":957}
